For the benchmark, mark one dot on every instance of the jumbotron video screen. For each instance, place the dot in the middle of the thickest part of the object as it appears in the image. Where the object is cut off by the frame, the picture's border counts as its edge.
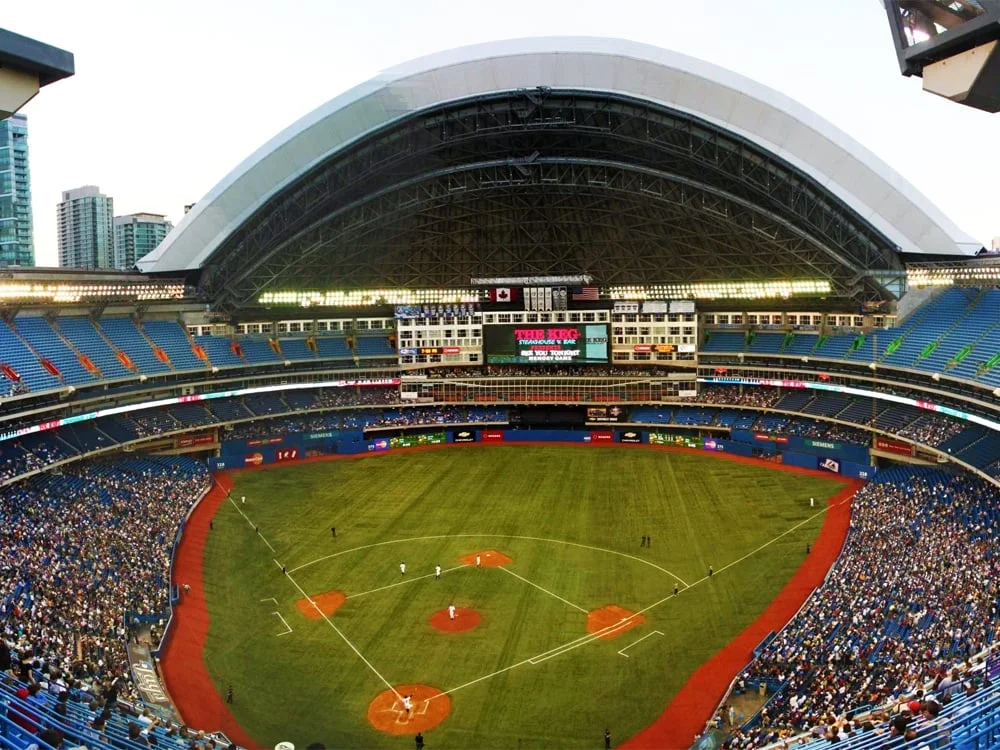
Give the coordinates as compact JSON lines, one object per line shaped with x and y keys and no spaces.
{"x":530,"y":344}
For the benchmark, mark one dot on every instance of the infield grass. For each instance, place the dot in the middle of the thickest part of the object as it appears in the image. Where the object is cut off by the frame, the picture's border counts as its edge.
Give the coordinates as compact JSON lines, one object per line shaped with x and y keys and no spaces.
{"x":428,"y":508}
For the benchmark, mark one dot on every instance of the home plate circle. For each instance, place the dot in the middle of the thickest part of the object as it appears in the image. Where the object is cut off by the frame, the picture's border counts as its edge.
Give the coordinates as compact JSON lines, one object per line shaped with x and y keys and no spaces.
{"x":429,"y":706}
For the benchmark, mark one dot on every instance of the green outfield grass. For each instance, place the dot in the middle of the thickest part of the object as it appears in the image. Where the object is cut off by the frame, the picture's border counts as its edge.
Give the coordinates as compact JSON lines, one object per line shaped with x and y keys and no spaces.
{"x":432,"y":507}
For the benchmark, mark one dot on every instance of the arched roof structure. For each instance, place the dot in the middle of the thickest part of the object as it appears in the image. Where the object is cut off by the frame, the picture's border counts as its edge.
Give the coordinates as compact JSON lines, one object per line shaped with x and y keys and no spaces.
{"x":623,"y":160}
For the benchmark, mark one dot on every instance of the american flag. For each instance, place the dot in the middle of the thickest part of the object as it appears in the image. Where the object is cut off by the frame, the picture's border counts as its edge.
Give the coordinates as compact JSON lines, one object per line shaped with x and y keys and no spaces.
{"x":585,"y":294}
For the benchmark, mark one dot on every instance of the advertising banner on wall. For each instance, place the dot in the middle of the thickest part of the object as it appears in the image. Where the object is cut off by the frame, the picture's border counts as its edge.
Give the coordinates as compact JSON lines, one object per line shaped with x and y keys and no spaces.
{"x":822,"y":444}
{"x":893,"y":446}
{"x":286,"y":454}
{"x":187,"y":442}
{"x":683,"y":441}
{"x":602,"y":436}
{"x":463,"y":436}
{"x":630,"y":436}
{"x":711,"y":444}
{"x":426,"y":438}
{"x":829,"y":464}
{"x":766,"y":438}
{"x":266,"y":441}
{"x":491,"y":436}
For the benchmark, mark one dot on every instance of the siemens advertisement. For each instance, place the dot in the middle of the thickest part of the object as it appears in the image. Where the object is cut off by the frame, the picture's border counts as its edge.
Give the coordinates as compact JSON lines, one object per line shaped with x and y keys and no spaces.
{"x":528,"y":344}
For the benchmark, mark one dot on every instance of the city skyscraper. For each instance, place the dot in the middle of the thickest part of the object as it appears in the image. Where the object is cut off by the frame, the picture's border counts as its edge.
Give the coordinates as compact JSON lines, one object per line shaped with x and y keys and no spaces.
{"x":16,"y":241}
{"x":136,"y":235}
{"x":86,"y":235}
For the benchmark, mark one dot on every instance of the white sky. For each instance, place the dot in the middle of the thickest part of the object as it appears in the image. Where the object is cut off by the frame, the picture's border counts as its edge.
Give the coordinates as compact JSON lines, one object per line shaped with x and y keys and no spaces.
{"x":169,"y":96}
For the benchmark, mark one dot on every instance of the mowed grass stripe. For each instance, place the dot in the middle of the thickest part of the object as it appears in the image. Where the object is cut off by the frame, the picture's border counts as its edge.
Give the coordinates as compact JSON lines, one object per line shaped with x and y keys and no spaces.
{"x":308,"y":686}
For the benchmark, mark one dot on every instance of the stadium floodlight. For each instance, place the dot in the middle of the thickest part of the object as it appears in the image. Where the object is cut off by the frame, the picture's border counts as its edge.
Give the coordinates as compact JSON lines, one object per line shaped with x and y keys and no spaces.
{"x":952,"y":45}
{"x":26,"y":65}
{"x":752,"y":290}
{"x":368,"y":297}
{"x":26,"y":291}
{"x":571,"y":280}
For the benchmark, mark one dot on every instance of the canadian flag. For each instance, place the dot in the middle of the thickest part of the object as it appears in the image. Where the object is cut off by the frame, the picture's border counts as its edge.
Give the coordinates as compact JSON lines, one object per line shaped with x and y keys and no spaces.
{"x":503,"y":294}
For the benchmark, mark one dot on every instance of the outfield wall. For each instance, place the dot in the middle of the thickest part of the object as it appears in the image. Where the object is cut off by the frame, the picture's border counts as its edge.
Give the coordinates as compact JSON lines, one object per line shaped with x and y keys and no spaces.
{"x":838,"y":458}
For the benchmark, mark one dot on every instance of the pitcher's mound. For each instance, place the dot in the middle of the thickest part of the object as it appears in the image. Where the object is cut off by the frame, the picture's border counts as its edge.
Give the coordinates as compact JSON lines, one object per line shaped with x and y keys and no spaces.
{"x":328,"y":603}
{"x":465,"y":619}
{"x":612,"y":621}
{"x":488,"y":558}
{"x":428,"y":708}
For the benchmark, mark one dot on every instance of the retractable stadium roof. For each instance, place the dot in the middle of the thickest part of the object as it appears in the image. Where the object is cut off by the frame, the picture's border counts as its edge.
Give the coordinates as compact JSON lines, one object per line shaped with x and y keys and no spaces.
{"x":622,"y":160}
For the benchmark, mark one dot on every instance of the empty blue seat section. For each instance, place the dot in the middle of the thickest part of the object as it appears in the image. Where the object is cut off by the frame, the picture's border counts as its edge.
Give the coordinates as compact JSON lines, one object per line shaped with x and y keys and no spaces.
{"x":172,"y":339}
{"x":933,"y":321}
{"x":299,"y":400}
{"x":767,"y":343}
{"x":373,"y":346}
{"x":258,"y":351}
{"x":836,"y":346}
{"x":826,"y":405}
{"x":15,"y":354}
{"x":794,"y":400}
{"x":803,"y":343}
{"x":265,"y":403}
{"x":192,"y":414}
{"x":37,"y":332}
{"x":859,"y":411}
{"x":333,"y":347}
{"x":120,"y":428}
{"x":724,"y":341}
{"x":123,"y":334}
{"x":219,"y":351}
{"x":228,"y":409}
{"x":296,"y":349}
{"x":86,"y":339}
{"x":653,"y":416}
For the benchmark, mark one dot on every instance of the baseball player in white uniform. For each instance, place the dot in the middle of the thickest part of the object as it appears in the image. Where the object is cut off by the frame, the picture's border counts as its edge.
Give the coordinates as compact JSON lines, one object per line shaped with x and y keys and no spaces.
{"x":437,"y":571}
{"x":451,"y":611}
{"x":407,"y":704}
{"x":402,"y":568}
{"x":478,"y":561}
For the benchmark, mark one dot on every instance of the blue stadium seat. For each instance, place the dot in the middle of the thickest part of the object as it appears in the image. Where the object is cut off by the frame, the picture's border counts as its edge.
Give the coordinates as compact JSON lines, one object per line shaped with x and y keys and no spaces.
{"x":169,"y":336}
{"x":15,"y":354}
{"x":37,"y":332}
{"x":129,"y":339}
{"x":87,"y":340}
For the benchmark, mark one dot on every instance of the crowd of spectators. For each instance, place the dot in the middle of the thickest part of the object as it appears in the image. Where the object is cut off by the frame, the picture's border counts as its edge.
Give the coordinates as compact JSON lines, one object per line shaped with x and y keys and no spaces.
{"x":914,"y":593}
{"x":932,"y":429}
{"x":16,"y":459}
{"x":80,"y":550}
{"x":360,"y":420}
{"x":758,"y":397}
{"x":367,"y":396}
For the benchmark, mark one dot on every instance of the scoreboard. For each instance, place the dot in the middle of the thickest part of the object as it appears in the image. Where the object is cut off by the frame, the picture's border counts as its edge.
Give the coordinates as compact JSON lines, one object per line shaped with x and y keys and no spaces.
{"x":531,"y":344}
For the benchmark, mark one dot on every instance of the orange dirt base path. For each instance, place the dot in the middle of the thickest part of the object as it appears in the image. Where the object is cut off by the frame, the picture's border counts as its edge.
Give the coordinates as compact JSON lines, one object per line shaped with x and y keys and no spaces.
{"x":488,"y":558}
{"x":465,"y":619}
{"x":607,"y":618}
{"x":428,"y":708}
{"x":327,"y":602}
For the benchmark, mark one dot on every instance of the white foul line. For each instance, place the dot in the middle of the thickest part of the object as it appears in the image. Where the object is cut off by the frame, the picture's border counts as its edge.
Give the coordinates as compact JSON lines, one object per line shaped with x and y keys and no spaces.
{"x":491,"y":536}
{"x":648,"y":635}
{"x":337,"y":631}
{"x":252,"y":526}
{"x":283,"y":623}
{"x":511,"y":572}
{"x":590,"y":637}
{"x":321,"y":612}
{"x":271,"y":599}
{"x":408,"y":580}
